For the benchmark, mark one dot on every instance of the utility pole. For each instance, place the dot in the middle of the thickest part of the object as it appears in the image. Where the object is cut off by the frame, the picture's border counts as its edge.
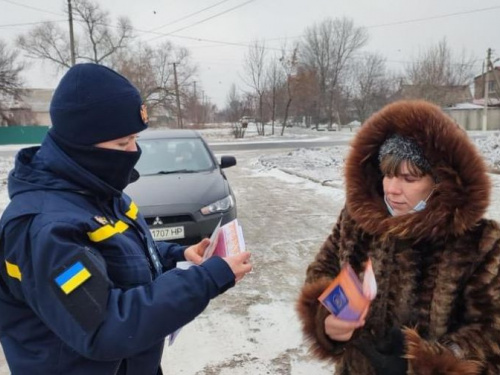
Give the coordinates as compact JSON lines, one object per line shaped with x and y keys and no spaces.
{"x":203,"y":106}
{"x":195,"y":104}
{"x":486,"y":84}
{"x":495,"y":76}
{"x":179,"y":114}
{"x":71,"y":36}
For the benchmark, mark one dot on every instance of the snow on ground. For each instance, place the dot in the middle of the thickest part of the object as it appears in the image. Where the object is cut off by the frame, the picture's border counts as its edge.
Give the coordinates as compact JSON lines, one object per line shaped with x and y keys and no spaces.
{"x":321,"y":165}
{"x":490,"y":148}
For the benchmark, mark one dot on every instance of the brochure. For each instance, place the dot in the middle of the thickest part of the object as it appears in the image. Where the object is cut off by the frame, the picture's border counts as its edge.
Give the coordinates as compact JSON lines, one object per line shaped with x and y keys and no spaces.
{"x":344,"y":297}
{"x":226,"y":240}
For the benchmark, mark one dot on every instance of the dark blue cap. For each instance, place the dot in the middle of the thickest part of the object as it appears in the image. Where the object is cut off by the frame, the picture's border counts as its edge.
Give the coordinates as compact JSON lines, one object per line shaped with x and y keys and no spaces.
{"x":94,"y":104}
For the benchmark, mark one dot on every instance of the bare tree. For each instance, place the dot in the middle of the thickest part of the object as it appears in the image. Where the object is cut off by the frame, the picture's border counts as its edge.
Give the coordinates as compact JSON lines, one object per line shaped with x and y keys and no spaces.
{"x":437,"y":66}
{"x":370,"y":88}
{"x":254,"y":66}
{"x":100,"y":40}
{"x":275,"y":81}
{"x":151,"y":71}
{"x":96,"y":41}
{"x":234,"y":111}
{"x":11,"y":86}
{"x":327,"y":49}
{"x":289,"y":66}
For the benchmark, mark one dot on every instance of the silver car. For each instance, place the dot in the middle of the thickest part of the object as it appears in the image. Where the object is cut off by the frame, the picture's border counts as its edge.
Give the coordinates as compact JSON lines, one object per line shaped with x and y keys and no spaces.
{"x":182,"y":191}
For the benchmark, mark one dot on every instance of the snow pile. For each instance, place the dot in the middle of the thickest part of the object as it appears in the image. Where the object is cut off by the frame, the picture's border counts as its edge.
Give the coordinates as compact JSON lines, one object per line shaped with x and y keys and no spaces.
{"x":490,"y":149}
{"x":322,"y":165}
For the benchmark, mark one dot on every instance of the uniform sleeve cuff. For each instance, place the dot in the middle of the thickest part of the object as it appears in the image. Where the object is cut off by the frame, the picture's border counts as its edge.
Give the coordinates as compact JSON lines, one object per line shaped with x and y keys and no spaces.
{"x":220,"y":272}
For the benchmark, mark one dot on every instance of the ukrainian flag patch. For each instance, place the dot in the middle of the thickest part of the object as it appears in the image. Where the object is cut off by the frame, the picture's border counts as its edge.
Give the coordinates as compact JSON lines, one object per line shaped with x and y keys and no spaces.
{"x":72,"y":277}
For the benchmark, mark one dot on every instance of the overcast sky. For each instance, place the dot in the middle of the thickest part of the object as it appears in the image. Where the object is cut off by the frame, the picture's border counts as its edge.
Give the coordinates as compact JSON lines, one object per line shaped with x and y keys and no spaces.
{"x":398,"y":29}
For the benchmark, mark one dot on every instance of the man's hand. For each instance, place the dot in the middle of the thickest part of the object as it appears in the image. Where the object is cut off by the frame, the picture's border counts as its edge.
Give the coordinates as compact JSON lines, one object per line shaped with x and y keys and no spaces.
{"x":194,"y":253}
{"x":240,"y":264}
{"x":342,"y":330}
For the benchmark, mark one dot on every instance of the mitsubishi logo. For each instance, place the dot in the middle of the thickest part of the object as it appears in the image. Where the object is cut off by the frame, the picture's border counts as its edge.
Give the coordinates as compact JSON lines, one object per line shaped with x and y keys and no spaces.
{"x":157,"y":221}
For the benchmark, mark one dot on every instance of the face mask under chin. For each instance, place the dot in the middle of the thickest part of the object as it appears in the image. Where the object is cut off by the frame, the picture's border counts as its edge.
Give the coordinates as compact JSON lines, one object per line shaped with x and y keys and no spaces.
{"x":420,"y":206}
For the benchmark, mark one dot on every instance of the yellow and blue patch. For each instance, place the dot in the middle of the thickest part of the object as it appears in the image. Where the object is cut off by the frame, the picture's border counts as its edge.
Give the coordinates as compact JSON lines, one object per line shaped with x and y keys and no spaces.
{"x":72,"y":277}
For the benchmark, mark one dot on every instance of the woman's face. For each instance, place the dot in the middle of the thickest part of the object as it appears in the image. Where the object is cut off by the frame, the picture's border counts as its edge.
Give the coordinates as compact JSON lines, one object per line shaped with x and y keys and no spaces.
{"x":404,"y":191}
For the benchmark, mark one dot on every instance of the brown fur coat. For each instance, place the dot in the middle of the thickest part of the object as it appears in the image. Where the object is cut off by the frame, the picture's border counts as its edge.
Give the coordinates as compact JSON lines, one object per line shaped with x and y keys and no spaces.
{"x":437,"y":270}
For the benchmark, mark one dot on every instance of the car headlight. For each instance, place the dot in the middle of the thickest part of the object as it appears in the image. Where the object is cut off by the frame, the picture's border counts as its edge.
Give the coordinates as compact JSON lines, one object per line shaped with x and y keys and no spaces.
{"x":219,"y":206}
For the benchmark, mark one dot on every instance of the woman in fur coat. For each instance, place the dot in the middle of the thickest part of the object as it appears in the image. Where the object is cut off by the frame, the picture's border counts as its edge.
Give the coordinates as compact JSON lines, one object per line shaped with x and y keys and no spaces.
{"x":416,"y":193}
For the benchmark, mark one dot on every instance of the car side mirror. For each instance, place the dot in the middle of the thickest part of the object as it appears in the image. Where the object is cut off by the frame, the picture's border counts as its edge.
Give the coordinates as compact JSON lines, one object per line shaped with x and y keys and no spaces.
{"x":227,"y":161}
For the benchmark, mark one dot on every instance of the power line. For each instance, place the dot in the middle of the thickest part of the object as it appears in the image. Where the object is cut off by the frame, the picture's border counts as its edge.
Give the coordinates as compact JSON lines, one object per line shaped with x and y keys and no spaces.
{"x":372,"y":26}
{"x":219,"y":42}
{"x":30,"y":7}
{"x":239,"y":44}
{"x":406,"y":21}
{"x":433,"y":17}
{"x":205,"y":19}
{"x":189,"y":15}
{"x":29,"y":23}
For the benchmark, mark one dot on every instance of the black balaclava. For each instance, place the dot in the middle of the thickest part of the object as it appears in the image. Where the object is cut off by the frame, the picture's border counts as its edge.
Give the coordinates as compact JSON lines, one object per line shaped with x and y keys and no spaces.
{"x":94,"y":104}
{"x":114,"y":167}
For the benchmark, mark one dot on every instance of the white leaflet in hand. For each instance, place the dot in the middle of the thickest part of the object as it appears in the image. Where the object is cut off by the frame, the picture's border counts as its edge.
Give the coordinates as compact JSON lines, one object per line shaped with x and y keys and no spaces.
{"x":213,"y":242}
{"x":240,"y":238}
{"x":369,"y":282}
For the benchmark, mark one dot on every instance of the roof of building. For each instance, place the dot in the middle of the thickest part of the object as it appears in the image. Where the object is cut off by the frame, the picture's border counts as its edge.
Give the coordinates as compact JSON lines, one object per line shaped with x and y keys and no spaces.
{"x":444,"y":96}
{"x":480,"y":75}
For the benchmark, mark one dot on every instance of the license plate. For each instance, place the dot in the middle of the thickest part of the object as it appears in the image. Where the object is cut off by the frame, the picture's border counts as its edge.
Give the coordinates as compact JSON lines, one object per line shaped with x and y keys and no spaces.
{"x":167,"y":233}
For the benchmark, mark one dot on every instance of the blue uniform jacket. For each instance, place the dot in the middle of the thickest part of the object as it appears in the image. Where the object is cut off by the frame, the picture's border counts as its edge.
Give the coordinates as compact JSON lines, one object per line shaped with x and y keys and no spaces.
{"x":84,"y":289}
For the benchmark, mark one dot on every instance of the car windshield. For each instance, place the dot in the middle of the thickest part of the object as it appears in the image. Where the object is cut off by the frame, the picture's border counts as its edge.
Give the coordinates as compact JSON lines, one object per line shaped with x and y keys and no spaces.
{"x":173,"y":155}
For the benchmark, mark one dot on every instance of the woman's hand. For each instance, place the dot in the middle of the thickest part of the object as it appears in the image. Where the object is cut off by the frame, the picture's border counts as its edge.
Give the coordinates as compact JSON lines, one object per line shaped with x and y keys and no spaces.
{"x":194,"y":253}
{"x":342,"y":330}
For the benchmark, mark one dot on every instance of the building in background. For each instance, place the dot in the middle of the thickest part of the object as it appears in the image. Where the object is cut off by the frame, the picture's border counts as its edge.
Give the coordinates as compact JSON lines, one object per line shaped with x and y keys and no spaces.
{"x":31,"y":108}
{"x":487,"y":78}
{"x":443,"y":96}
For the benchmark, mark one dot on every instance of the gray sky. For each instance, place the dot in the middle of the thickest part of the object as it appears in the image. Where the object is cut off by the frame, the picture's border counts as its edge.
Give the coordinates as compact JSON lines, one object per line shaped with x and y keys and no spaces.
{"x":397,"y":29}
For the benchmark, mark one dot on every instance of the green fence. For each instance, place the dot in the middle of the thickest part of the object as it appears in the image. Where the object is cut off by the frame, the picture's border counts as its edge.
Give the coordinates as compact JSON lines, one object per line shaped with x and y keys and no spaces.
{"x":20,"y":135}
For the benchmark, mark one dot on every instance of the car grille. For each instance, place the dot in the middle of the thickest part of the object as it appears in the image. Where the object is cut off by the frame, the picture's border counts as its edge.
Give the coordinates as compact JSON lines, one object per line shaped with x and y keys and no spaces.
{"x":169,"y":219}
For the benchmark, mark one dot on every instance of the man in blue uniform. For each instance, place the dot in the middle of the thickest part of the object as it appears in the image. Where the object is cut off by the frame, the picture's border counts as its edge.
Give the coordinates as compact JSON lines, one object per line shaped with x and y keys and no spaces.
{"x":84,"y":289}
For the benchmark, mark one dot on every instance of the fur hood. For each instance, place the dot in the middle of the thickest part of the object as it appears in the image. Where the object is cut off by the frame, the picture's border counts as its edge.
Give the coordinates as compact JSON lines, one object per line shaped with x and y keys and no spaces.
{"x":462,"y":190}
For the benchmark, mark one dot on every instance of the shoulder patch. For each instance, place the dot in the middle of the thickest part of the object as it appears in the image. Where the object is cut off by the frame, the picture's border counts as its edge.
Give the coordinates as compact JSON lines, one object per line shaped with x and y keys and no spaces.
{"x":83,"y":289}
{"x":71,"y":278}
